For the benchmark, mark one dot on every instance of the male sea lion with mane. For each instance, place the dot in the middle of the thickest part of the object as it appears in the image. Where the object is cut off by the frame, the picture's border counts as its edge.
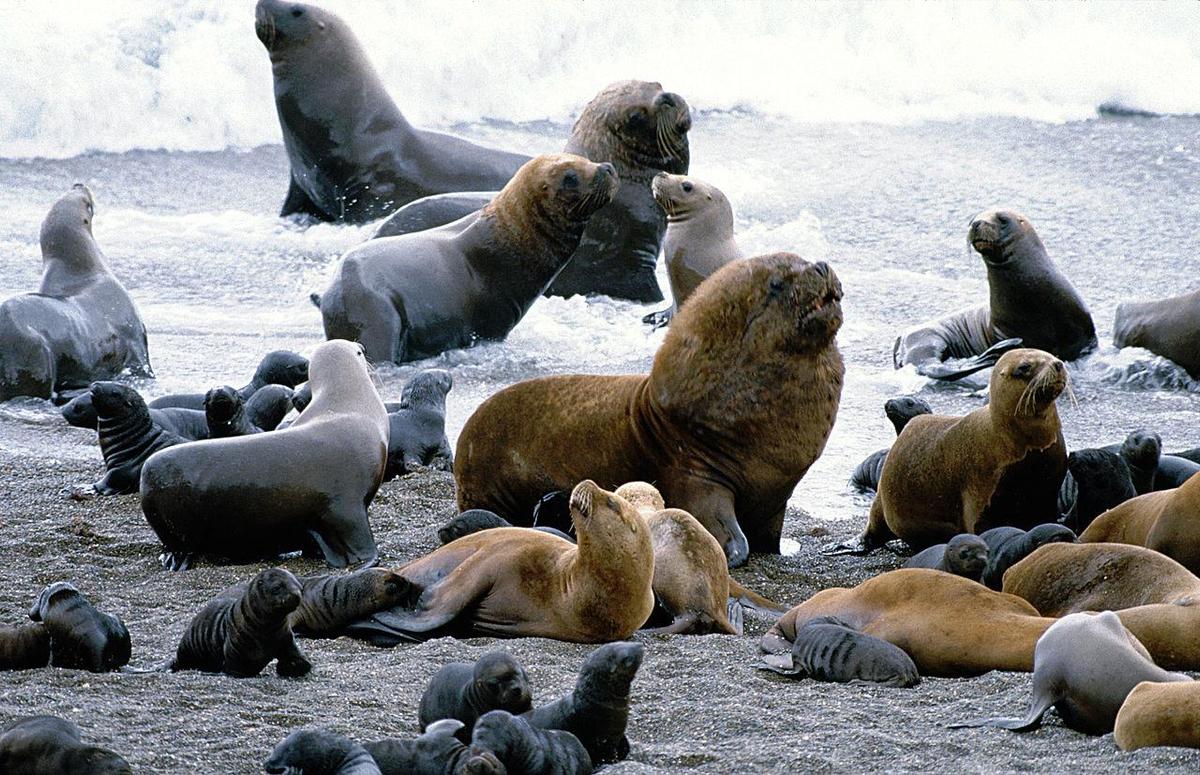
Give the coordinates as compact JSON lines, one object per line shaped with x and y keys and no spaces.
{"x":738,"y":404}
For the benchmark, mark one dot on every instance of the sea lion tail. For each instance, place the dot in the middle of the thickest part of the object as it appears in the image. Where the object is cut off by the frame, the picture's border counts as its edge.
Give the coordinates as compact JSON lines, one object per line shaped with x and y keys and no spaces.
{"x":752,"y":599}
{"x":315,"y":298}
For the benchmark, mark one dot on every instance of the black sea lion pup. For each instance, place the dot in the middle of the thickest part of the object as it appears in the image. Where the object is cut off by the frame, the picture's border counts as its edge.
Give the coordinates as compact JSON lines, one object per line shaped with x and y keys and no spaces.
{"x":319,"y":752}
{"x":522,"y":747}
{"x":465,"y":691}
{"x":1084,"y":665}
{"x":470,"y":521}
{"x":963,"y":555}
{"x":268,"y":406}
{"x":417,"y":435}
{"x":48,"y":745}
{"x":244,"y":628}
{"x":128,"y":436}
{"x":1096,"y":480}
{"x":1166,"y":327}
{"x":278,"y":367}
{"x":899,"y":410}
{"x":1009,"y":545}
{"x":738,"y":404}
{"x":827,"y":649}
{"x":24,"y":647}
{"x":436,"y":752}
{"x":80,"y":325}
{"x":597,"y":709}
{"x":225,"y":411}
{"x":81,"y":637}
{"x":331,"y":601}
{"x":1141,"y":451}
{"x":417,"y":295}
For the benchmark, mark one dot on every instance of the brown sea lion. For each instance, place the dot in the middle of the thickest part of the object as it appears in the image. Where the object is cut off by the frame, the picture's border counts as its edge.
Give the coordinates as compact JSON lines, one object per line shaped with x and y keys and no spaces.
{"x":353,"y":155}
{"x":331,"y":601}
{"x":24,"y":648}
{"x":417,"y":295}
{"x":941,"y":473}
{"x":1164,"y":521}
{"x":738,"y":404}
{"x":1159,"y":714}
{"x":699,"y":238}
{"x":48,"y":745}
{"x":514,"y":582}
{"x":81,"y":636}
{"x":1030,"y":304}
{"x":949,"y":625}
{"x":464,"y":691}
{"x":81,"y":325}
{"x":1167,"y":327}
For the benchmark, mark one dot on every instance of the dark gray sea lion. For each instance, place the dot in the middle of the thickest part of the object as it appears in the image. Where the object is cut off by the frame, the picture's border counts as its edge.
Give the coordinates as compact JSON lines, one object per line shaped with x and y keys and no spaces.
{"x":828,"y":649}
{"x":530,"y":750}
{"x":331,"y":601}
{"x":597,"y":709}
{"x":81,"y":637}
{"x":1030,"y":304}
{"x":278,"y":367}
{"x":225,"y":411}
{"x":436,"y":752}
{"x":476,"y":520}
{"x":465,"y":691}
{"x":81,"y":325}
{"x":128,"y":436}
{"x":48,"y":745}
{"x":25,"y":647}
{"x":417,"y":295}
{"x":1009,"y":545}
{"x":1188,"y":454}
{"x":1096,"y":481}
{"x":899,"y":410}
{"x":268,"y":406}
{"x":1174,"y":471}
{"x":244,"y":628}
{"x":1084,"y":665}
{"x":417,"y":430}
{"x":1167,"y":327}
{"x":257,"y":496}
{"x":963,"y":555}
{"x":353,"y":155}
{"x":188,"y":424}
{"x":319,"y":752}
{"x":1141,"y":451}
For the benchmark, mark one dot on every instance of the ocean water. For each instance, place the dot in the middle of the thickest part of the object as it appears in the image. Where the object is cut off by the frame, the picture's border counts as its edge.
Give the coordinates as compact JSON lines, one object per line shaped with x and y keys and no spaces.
{"x":864,"y":135}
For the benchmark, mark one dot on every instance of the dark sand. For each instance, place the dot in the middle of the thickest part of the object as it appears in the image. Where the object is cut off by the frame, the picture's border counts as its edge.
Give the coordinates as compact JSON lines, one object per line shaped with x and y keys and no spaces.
{"x":698,"y":702}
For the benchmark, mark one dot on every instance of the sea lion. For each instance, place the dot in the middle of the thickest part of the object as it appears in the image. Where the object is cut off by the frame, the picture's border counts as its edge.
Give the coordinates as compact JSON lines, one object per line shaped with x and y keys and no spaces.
{"x":1141,"y":451}
{"x":436,"y":752}
{"x":417,"y":295}
{"x":1096,"y":480}
{"x":329,"y":602}
{"x":699,"y":237}
{"x":353,"y":156}
{"x":1163,"y":521}
{"x":278,"y":367}
{"x":417,"y":435}
{"x":465,"y":691}
{"x":597,"y":709}
{"x":942,"y":471}
{"x":527,"y":749}
{"x":1009,"y":545}
{"x":81,"y":325}
{"x":899,"y":410}
{"x":513,"y":582}
{"x":81,"y":637}
{"x":268,"y":406}
{"x":1027,"y":494}
{"x":256,"y":496}
{"x":225,"y":412}
{"x":1030,"y":304}
{"x":476,"y":520}
{"x":319,"y":752}
{"x":37,"y":745}
{"x":738,"y":404}
{"x":128,"y":436}
{"x":244,"y":628}
{"x":188,"y":424}
{"x":1173,"y":472}
{"x":1167,"y":327}
{"x":826,"y":649}
{"x":977,"y":629}
{"x":1157,"y":714}
{"x":1188,"y":454}
{"x":963,"y":555}
{"x":24,"y":648}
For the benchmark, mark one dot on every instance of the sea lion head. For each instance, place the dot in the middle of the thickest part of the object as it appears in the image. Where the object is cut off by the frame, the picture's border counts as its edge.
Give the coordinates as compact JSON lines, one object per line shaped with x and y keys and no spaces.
{"x":597,"y":512}
{"x":682,"y":198}
{"x":429,"y":386}
{"x":342,"y":380}
{"x":56,"y":592}
{"x":635,"y":124}
{"x":222,"y":404}
{"x":282,"y":367}
{"x":275,"y":591}
{"x":1050,"y":533}
{"x":608,"y":671}
{"x":502,"y":680}
{"x":644,"y":496}
{"x":282,"y":25}
{"x":79,"y":411}
{"x":967,"y":554}
{"x":308,"y":750}
{"x":1142,"y":448}
{"x":112,"y":400}
{"x":994,"y":234}
{"x":67,"y":228}
{"x":555,"y":190}
{"x":1025,"y":384}
{"x":903,"y":408}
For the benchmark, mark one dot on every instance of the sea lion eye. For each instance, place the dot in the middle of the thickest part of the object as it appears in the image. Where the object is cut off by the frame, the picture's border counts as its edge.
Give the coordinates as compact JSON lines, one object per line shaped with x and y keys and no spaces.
{"x":1022,"y":370}
{"x":297,"y":13}
{"x":1001,"y":218}
{"x":637,"y":116}
{"x":776,"y":286}
{"x":687,"y":186}
{"x":571,"y":179}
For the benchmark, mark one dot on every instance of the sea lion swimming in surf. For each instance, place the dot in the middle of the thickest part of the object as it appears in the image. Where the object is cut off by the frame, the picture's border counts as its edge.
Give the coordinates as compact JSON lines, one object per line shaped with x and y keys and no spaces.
{"x":1167,"y":327}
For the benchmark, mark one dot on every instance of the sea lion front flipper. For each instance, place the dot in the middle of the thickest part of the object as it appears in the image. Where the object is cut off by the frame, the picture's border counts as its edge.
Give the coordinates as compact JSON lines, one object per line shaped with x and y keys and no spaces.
{"x":657,"y":320}
{"x":783,"y":664}
{"x":345,"y":539}
{"x":298,"y":203}
{"x":177,"y":561}
{"x":734,"y":614}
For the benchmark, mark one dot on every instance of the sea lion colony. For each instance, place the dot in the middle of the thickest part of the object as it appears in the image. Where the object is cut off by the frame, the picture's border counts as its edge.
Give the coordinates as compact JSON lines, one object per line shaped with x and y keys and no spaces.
{"x":739,"y":402}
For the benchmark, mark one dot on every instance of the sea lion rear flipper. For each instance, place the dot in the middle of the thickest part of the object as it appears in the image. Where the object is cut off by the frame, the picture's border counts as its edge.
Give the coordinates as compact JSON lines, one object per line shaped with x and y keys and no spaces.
{"x":751,"y":599}
{"x":985,"y":360}
{"x":657,"y":320}
{"x":178,"y":561}
{"x":734,"y":614}
{"x":1031,"y":721}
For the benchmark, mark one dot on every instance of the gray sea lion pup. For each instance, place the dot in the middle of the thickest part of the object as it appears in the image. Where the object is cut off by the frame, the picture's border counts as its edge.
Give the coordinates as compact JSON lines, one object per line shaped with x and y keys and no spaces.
{"x":899,"y":410}
{"x":1167,"y":327}
{"x":128,"y":436}
{"x":828,"y":649}
{"x":256,"y":496}
{"x":1096,"y":481}
{"x":48,"y":745}
{"x":81,"y":325}
{"x":597,"y":709}
{"x":699,"y":238}
{"x":331,"y":601}
{"x":24,"y":648}
{"x":417,"y":430}
{"x":1009,"y":545}
{"x":225,"y":412}
{"x":524,"y":748}
{"x":1031,"y":304}
{"x":1084,"y":665}
{"x":436,"y":752}
{"x":353,"y":156}
{"x":963,"y":555}
{"x":465,"y":691}
{"x":319,"y":752}
{"x":81,"y":637}
{"x":244,"y":628}
{"x":278,"y":367}
{"x":1141,"y":451}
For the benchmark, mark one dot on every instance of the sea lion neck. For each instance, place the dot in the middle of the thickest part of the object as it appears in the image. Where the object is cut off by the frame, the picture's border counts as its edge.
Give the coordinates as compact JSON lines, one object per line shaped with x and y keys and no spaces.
{"x":70,"y":257}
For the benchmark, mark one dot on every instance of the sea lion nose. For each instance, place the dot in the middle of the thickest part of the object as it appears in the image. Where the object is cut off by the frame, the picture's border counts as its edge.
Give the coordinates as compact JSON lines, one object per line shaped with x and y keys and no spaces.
{"x":666,"y":100}
{"x":1058,"y":367}
{"x":821,"y":268}
{"x":606,"y":169}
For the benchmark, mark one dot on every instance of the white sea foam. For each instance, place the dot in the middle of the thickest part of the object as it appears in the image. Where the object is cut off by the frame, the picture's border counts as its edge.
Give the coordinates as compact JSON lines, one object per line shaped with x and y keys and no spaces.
{"x":190,"y":75}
